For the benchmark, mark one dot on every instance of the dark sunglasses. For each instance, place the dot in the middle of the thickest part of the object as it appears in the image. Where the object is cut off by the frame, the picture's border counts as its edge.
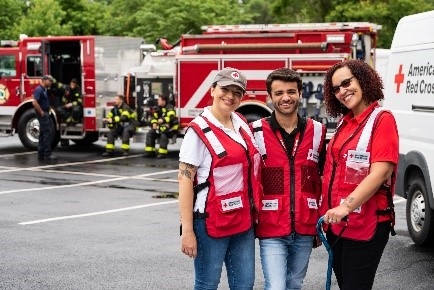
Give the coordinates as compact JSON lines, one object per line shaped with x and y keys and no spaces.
{"x":345,"y":84}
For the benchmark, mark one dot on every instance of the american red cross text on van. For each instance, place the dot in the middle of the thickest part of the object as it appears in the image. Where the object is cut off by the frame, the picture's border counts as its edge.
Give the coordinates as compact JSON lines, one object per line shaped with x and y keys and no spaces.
{"x":421,"y":70}
{"x":422,"y":87}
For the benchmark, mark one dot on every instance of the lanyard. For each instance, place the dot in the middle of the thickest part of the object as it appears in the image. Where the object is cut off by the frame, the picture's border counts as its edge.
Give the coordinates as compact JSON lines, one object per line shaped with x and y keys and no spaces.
{"x":296,"y":141}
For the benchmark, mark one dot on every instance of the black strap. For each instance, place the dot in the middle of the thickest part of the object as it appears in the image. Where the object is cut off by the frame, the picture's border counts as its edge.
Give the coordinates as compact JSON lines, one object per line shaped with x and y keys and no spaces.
{"x":198,"y":187}
{"x":199,"y":215}
{"x":391,"y":207}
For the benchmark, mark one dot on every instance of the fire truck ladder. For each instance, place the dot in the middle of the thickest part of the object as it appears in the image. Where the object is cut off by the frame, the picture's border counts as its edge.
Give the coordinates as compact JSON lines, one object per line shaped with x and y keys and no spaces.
{"x":203,"y":47}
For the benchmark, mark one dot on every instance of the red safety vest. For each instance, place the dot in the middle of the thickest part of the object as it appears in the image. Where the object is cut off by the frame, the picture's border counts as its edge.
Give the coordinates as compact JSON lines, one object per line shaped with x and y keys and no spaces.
{"x":291,"y":186}
{"x":342,"y":176}
{"x":233,"y":181}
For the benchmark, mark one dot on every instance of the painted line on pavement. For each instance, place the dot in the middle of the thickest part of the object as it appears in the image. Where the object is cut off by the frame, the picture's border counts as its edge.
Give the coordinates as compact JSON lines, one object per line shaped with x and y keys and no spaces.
{"x":66,"y":164}
{"x":107,"y":175}
{"x":87,"y":183}
{"x":16,"y":154}
{"x":96,"y":213}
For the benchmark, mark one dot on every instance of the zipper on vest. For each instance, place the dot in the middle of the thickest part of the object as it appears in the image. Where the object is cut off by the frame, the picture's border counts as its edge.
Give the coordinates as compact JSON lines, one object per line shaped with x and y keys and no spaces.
{"x":249,"y":177}
{"x":329,"y":191}
{"x":292,"y":192}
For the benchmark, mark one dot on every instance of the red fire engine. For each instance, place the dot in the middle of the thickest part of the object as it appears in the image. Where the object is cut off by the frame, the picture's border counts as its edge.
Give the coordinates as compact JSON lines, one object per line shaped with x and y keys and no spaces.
{"x":95,"y":61}
{"x":308,"y":48}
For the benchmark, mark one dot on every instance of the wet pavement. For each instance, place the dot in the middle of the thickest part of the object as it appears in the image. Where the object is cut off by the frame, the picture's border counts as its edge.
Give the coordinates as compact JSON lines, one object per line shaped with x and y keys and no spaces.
{"x":89,"y":222}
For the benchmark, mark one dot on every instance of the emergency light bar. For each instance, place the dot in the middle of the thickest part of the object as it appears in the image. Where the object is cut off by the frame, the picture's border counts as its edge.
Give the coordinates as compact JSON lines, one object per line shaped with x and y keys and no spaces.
{"x":8,"y":43}
{"x":290,"y":27}
{"x":336,"y":38}
{"x":33,"y":45}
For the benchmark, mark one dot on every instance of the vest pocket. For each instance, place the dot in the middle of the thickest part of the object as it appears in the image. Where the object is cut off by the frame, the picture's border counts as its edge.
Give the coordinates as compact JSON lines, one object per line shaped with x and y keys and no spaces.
{"x":308,"y":209}
{"x":228,"y":179}
{"x":271,"y":212}
{"x":231,"y":211}
{"x":310,"y":179}
{"x":272,"y":180}
{"x":355,"y":172}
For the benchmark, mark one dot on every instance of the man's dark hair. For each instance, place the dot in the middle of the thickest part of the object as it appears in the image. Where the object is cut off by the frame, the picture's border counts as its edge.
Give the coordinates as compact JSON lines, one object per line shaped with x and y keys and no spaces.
{"x":74,"y":81}
{"x":283,"y":74}
{"x":120,"y":97}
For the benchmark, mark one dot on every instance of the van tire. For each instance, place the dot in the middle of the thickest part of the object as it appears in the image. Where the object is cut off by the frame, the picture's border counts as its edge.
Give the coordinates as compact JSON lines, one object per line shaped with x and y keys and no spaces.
{"x":420,"y":216}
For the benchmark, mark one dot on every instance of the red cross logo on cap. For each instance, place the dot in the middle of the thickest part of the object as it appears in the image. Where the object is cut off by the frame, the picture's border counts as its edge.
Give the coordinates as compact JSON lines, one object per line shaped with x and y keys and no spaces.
{"x":235,"y":75}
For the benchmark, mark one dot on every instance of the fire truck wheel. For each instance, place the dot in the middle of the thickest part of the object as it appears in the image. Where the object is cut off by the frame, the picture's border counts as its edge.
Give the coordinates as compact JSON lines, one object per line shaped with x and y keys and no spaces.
{"x":420,"y":216}
{"x":28,"y":130}
{"x":56,"y":137}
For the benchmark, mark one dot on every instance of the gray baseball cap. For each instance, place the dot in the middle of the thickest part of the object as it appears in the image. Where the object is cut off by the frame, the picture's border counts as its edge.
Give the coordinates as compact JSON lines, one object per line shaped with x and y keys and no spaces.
{"x":231,"y":76}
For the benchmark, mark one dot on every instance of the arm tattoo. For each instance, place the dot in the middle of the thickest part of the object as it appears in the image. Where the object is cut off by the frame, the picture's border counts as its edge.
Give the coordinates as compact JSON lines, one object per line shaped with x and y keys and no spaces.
{"x":188,"y":171}
{"x":348,"y":201}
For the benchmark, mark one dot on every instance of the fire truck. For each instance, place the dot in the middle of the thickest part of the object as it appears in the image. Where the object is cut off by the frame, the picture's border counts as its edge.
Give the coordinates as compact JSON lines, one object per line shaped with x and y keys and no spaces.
{"x":256,"y":50}
{"x":153,"y":77}
{"x":95,"y":61}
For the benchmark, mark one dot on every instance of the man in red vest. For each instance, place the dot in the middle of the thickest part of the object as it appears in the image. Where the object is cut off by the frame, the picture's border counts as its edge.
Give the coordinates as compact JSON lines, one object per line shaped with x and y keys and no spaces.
{"x":293,"y":149}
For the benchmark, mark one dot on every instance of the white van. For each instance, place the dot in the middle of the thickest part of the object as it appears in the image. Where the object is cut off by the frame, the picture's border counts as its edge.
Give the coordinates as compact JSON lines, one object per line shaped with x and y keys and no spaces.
{"x":409,"y":94}
{"x":382,"y":62}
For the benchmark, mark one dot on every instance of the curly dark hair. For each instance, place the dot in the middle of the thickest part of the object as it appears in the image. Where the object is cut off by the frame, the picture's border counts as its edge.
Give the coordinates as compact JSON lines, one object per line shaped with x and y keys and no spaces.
{"x":283,"y":74}
{"x":370,"y":83}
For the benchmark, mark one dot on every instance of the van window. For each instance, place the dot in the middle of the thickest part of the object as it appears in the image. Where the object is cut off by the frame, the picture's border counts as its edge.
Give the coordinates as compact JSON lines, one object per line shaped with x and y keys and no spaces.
{"x":7,"y":66}
{"x":34,"y":66}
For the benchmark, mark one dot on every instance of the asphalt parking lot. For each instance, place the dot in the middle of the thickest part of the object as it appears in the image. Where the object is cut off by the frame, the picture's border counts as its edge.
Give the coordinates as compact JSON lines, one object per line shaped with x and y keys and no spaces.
{"x":88,"y":222}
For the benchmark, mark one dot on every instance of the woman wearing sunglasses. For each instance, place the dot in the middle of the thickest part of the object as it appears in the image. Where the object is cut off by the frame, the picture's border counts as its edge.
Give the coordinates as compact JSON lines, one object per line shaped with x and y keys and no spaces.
{"x":359,"y":173}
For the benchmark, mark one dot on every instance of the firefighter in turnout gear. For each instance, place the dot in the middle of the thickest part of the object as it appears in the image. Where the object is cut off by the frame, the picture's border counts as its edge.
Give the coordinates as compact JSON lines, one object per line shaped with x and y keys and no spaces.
{"x":122,"y":123}
{"x":71,"y":110}
{"x":164,"y":125}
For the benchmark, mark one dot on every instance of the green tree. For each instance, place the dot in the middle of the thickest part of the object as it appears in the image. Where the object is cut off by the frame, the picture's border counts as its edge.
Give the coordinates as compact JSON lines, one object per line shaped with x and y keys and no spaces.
{"x":171,"y":18}
{"x":384,"y":12}
{"x":295,"y":11}
{"x":44,"y":17}
{"x":81,"y":16}
{"x":120,"y":18}
{"x":10,"y":16}
{"x":260,"y":11}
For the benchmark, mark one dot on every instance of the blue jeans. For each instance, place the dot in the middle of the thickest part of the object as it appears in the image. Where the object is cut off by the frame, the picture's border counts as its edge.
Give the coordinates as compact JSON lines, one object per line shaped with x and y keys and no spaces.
{"x":285,"y":260}
{"x":237,"y":252}
{"x":45,"y":135}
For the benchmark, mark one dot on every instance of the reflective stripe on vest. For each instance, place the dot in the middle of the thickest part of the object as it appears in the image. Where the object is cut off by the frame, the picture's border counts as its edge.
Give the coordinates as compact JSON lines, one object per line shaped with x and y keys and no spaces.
{"x":313,"y":153}
{"x":259,"y":137}
{"x":317,"y":137}
{"x":365,"y":137}
{"x":218,"y":148}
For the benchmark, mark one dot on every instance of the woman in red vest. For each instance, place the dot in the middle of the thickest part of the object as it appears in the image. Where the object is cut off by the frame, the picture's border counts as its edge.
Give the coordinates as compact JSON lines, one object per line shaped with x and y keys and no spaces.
{"x":359,"y":173}
{"x":219,"y":186}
